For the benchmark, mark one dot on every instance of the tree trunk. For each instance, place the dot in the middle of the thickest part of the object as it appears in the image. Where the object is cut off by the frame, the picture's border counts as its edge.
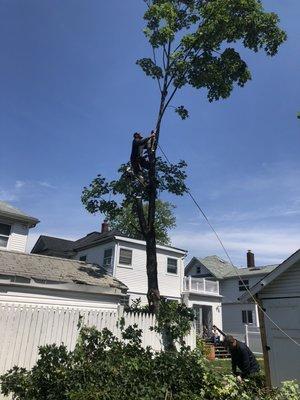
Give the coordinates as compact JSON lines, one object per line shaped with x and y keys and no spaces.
{"x":153,"y":290}
{"x":153,"y":294}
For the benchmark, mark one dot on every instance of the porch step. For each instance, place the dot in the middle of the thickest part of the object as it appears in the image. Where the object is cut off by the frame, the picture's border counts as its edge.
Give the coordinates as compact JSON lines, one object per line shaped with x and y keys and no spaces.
{"x":220,"y":350}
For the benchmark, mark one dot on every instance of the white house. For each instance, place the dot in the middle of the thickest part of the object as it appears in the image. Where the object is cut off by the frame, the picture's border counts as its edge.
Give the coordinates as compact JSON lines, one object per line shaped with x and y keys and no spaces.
{"x":279,"y":296}
{"x":125,"y":259}
{"x":42,"y":298}
{"x":234,"y":314}
{"x":14,"y":227}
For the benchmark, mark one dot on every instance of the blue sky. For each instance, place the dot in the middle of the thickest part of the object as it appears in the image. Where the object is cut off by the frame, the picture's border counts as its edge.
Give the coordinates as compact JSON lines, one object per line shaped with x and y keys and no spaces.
{"x":71,"y":96}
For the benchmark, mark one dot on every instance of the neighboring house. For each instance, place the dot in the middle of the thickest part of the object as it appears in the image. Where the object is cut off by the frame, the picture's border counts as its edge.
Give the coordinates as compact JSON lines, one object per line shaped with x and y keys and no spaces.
{"x":125,"y":259}
{"x":14,"y":227}
{"x":42,"y":298}
{"x":54,"y":247}
{"x":278,"y":293}
{"x":234,"y":314}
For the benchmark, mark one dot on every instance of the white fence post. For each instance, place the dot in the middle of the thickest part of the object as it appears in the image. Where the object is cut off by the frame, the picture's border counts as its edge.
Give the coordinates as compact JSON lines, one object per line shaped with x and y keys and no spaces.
{"x":25,"y":327}
{"x":246,"y":335}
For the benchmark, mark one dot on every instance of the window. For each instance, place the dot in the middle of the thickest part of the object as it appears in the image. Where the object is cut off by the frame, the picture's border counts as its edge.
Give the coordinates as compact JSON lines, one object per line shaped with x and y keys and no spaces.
{"x":107,"y":258}
{"x":82,"y":258}
{"x":242,"y":285}
{"x":4,"y":234}
{"x":247,"y":317}
{"x":172,"y":266}
{"x":125,"y":257}
{"x":198,"y":270}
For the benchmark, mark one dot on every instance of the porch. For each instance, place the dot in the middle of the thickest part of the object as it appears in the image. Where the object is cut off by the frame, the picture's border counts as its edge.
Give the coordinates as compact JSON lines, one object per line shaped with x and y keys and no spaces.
{"x":201,"y":286}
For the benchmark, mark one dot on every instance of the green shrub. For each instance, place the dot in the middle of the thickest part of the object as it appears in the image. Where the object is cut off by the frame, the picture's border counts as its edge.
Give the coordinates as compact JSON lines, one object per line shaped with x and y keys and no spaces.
{"x":103,"y":367}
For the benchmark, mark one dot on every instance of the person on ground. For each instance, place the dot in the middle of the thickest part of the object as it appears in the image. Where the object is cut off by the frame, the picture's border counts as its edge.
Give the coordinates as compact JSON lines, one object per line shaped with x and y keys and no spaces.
{"x":137,"y":158}
{"x":241,"y":358}
{"x":215,"y":336}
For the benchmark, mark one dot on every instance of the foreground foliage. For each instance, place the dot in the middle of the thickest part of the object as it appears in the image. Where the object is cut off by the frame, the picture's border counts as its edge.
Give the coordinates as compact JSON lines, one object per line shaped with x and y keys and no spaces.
{"x":103,"y":367}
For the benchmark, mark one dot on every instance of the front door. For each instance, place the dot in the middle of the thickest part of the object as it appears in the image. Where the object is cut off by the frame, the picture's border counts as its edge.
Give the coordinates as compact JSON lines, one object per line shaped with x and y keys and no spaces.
{"x":207,"y":319}
{"x":198,"y":322}
{"x":204,"y":322}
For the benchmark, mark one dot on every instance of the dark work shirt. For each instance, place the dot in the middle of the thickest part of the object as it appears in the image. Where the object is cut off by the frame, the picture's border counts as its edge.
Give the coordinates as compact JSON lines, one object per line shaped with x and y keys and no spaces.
{"x":243,"y":358}
{"x":138,"y":146}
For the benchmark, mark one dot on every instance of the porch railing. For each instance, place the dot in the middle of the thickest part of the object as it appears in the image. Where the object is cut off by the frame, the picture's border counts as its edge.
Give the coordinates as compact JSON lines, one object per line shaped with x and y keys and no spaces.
{"x":200,"y":285}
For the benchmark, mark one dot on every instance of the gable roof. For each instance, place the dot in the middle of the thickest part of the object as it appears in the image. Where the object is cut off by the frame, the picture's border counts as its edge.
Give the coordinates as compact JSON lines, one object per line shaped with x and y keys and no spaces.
{"x":52,"y":243}
{"x":94,"y":238}
{"x":266,"y":280}
{"x":248,"y":272}
{"x":222,"y":269}
{"x":61,"y":270}
{"x":14,"y":213}
{"x":217,"y":267}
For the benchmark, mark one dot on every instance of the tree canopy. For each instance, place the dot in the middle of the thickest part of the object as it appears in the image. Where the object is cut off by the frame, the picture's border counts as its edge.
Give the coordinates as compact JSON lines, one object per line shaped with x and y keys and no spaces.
{"x":194,"y":43}
{"x":127,"y":222}
{"x":129,"y":195}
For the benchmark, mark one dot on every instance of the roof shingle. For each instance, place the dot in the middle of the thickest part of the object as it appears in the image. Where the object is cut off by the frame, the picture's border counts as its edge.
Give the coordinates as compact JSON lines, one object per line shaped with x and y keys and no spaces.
{"x":222,"y":269}
{"x":55,"y":269}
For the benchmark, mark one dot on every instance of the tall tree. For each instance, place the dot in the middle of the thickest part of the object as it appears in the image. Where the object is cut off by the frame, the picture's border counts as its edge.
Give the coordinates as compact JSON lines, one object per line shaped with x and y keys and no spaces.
{"x":127,"y":222}
{"x":194,"y":43}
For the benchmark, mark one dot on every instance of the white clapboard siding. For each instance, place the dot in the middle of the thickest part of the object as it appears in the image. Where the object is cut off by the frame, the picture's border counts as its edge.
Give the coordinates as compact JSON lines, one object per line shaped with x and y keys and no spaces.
{"x":96,"y":255}
{"x":286,"y":285}
{"x":25,"y":327}
{"x":135,"y":276}
{"x":18,"y":237}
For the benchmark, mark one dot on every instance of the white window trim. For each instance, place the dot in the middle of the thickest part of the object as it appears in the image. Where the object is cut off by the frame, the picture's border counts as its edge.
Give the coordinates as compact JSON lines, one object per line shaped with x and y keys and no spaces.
{"x":242,"y":284}
{"x":248,"y":323}
{"x":111,"y":258}
{"x":6,"y":236}
{"x":170,"y":273}
{"x":125,"y":265}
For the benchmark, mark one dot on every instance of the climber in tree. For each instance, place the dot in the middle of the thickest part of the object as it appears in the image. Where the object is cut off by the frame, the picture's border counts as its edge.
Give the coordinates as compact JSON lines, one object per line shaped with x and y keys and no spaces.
{"x":138,"y":159}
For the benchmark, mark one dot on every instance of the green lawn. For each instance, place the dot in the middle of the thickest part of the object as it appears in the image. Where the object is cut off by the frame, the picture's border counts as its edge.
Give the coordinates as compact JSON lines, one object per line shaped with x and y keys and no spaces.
{"x":224,"y":365}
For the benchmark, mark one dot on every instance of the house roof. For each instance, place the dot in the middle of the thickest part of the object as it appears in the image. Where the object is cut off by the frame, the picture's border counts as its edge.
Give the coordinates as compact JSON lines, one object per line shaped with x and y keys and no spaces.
{"x":90,"y":240}
{"x":55,"y":269}
{"x":216,"y":266}
{"x":266,"y":280}
{"x":52,"y":243}
{"x":12,"y":212}
{"x":222,"y":269}
{"x":94,"y":238}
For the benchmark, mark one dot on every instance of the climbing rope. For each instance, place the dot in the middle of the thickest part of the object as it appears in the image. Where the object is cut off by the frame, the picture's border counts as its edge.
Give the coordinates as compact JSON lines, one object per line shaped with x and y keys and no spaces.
{"x":229,"y":258}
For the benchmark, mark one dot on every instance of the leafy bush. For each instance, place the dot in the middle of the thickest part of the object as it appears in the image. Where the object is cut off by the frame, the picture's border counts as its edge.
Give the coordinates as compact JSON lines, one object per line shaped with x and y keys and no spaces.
{"x":104,"y":367}
{"x":173,"y":321}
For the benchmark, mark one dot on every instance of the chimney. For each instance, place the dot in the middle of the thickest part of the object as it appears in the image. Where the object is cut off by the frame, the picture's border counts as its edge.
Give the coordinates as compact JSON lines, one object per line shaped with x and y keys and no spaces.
{"x":250,"y":259}
{"x":104,"y":226}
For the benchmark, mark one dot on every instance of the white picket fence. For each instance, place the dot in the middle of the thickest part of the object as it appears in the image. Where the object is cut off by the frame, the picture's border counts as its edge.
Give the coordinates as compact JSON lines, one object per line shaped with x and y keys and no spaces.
{"x":25,"y":327}
{"x":253,"y":339}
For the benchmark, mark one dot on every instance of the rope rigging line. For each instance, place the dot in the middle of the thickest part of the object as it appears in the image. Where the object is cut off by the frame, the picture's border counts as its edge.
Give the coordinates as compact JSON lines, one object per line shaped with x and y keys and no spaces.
{"x":229,"y":258}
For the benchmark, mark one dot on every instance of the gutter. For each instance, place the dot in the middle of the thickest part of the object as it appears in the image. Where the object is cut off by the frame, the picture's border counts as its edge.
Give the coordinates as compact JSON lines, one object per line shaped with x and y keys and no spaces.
{"x":31,"y":220}
{"x":81,"y":288}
